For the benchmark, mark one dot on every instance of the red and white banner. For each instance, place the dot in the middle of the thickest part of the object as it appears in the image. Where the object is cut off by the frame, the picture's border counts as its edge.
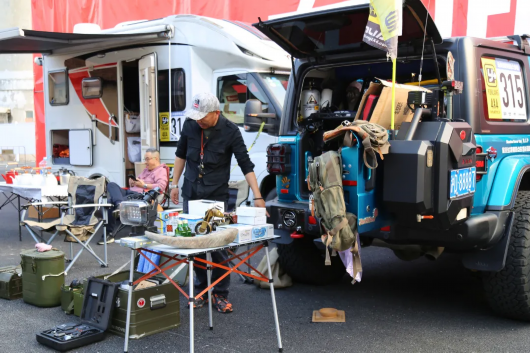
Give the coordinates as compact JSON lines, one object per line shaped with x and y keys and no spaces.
{"x":477,"y":18}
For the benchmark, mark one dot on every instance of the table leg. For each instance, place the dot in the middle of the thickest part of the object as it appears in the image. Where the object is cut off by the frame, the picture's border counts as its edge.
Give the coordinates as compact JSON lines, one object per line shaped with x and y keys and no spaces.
{"x":192,"y":303}
{"x":273,"y":299}
{"x":129,"y":303}
{"x":19,"y":220}
{"x":209,"y":275}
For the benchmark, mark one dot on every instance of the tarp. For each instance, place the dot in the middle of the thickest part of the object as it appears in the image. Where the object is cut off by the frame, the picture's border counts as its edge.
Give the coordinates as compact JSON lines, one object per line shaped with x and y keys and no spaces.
{"x":455,"y":18}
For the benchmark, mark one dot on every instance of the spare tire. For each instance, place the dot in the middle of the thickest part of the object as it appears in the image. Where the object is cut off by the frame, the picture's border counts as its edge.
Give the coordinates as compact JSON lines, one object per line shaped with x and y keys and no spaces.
{"x":304,"y":262}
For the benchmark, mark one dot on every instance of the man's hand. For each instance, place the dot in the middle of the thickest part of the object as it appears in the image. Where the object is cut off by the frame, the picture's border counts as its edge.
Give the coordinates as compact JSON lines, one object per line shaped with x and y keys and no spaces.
{"x":175,"y":196}
{"x":131,"y":182}
{"x":140,"y":183}
{"x":260,"y":203}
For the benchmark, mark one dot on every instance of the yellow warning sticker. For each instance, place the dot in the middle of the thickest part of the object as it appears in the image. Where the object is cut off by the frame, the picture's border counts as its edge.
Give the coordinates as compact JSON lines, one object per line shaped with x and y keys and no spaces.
{"x":164,"y":127}
{"x":492,"y":88}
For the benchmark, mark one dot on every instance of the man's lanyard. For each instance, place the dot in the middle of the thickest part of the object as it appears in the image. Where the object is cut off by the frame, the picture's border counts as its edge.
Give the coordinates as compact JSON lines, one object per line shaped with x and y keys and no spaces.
{"x":202,"y":145}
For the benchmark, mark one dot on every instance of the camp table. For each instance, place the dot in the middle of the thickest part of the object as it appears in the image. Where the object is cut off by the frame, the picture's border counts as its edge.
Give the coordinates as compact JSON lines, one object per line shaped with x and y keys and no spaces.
{"x":13,"y":194}
{"x":189,"y":256}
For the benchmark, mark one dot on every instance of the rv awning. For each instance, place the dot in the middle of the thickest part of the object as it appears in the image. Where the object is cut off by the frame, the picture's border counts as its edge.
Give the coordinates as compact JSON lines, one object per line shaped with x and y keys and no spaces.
{"x":24,"y":41}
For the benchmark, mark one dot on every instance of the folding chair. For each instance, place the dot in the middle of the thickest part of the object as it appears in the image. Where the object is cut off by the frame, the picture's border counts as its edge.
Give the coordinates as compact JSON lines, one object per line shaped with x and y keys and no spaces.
{"x":81,"y":217}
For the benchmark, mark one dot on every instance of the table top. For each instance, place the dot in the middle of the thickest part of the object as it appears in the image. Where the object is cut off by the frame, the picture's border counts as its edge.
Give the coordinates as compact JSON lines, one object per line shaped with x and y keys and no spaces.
{"x":194,"y":252}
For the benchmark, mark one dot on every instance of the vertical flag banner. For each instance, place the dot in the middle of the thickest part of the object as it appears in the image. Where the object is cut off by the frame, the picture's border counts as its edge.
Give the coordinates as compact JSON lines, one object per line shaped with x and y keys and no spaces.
{"x":385,"y":25}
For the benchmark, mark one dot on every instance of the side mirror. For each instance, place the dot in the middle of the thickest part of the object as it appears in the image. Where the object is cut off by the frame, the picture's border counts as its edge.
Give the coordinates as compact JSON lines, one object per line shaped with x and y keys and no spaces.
{"x":254,"y":117}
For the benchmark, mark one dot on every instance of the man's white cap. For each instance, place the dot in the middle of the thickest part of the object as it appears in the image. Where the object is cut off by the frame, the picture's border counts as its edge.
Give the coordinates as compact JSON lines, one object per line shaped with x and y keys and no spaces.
{"x":201,"y":105}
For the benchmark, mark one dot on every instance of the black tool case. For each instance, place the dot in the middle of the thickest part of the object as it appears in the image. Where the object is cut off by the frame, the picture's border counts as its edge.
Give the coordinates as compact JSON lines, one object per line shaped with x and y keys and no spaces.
{"x":95,"y":318}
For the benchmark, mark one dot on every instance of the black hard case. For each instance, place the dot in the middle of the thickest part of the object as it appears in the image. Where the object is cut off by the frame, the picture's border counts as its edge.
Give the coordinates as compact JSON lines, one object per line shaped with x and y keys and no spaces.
{"x":97,"y":310}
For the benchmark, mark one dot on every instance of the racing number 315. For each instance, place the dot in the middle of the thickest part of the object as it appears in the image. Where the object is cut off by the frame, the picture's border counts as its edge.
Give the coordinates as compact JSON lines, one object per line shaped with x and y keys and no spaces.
{"x":510,"y":80}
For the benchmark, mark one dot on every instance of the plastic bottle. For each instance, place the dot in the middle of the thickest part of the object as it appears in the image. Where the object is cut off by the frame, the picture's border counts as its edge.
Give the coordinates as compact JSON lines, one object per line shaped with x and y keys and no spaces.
{"x":186,"y":227}
{"x":179,"y":231}
{"x":43,"y":163}
{"x":170,"y":225}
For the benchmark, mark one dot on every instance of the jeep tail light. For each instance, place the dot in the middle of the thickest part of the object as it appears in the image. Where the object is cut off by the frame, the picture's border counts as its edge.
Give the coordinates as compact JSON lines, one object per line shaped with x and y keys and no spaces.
{"x":279,"y":159}
{"x":481,"y":162}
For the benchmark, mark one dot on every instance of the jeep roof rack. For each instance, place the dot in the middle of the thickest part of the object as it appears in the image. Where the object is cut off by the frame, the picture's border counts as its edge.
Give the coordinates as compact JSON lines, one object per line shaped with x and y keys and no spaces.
{"x":521,"y":41}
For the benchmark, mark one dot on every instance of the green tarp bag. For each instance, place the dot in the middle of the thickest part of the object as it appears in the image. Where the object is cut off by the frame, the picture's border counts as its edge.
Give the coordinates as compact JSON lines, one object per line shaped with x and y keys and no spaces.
{"x":327,"y":203}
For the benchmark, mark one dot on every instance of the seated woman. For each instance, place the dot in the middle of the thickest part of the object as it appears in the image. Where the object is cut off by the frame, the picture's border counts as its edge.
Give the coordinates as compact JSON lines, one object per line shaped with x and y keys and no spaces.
{"x":154,"y":175}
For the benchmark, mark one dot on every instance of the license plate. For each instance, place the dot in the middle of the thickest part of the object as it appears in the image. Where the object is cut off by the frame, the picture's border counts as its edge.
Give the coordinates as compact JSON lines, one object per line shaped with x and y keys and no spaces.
{"x":463,"y":182}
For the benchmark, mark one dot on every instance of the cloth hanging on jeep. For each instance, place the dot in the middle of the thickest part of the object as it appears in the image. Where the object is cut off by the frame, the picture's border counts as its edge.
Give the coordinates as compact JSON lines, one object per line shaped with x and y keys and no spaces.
{"x":373,"y":136}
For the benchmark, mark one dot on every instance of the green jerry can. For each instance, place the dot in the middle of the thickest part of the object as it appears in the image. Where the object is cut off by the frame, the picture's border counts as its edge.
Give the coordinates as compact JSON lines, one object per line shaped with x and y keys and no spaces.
{"x":42,"y":277}
{"x":68,"y":298}
{"x":79,"y":297}
{"x":154,"y":309}
{"x":10,"y":282}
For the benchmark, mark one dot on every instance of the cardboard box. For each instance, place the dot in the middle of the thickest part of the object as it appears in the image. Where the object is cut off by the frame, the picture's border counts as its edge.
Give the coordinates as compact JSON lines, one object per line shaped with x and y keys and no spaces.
{"x":48,"y":212}
{"x":252,"y":220}
{"x":163,"y":217}
{"x":251,"y":211}
{"x":244,"y":234}
{"x":266,"y":230}
{"x":135,"y":242}
{"x":199,"y":207}
{"x":382,"y":112}
{"x":192,"y":220}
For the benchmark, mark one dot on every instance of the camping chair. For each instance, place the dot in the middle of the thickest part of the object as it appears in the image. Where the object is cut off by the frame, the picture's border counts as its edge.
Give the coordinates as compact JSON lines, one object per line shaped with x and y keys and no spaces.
{"x":81,"y":217}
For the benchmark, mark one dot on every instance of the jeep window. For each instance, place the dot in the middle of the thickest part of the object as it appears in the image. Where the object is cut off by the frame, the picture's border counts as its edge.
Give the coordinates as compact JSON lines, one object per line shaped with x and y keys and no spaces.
{"x":58,"y":87}
{"x":503,"y":90}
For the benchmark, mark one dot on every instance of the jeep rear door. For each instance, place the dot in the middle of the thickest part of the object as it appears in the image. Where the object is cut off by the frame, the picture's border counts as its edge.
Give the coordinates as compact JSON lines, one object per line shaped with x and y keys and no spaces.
{"x":341,"y":30}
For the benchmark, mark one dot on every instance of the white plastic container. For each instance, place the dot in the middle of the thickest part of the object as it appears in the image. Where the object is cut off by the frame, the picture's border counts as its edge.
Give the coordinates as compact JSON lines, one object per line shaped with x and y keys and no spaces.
{"x":199,"y":207}
{"x":252,"y":220}
{"x":244,"y":232}
{"x":251,"y":211}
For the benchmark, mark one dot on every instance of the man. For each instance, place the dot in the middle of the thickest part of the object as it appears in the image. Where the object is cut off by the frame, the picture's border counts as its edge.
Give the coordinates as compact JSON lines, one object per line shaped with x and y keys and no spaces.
{"x":154,"y":175}
{"x":205,"y":147}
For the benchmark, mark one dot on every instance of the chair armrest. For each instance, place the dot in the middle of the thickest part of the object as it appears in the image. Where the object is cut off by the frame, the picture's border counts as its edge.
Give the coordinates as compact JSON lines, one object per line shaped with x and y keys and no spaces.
{"x":49,"y":203}
{"x":91,"y":205}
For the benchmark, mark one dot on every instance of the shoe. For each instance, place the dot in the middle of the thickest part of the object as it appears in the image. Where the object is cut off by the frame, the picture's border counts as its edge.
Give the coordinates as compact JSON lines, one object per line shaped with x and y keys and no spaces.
{"x":222,"y":304}
{"x":110,"y":239}
{"x":199,"y":303}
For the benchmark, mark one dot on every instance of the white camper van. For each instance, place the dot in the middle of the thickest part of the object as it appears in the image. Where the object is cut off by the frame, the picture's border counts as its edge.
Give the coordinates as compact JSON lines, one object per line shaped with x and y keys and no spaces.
{"x":111,"y":94}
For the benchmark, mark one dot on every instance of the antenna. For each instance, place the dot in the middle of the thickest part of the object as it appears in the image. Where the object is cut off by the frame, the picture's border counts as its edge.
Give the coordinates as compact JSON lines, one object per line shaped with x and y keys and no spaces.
{"x":423,"y":48}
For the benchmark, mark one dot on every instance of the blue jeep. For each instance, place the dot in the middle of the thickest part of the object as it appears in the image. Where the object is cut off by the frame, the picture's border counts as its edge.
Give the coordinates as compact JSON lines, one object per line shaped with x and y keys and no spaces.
{"x":455,"y":179}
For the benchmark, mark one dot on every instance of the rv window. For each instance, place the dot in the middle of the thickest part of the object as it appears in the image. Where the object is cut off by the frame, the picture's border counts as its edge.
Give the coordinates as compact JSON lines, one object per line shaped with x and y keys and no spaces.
{"x":503,"y":90}
{"x":256,"y":92}
{"x":58,"y":87}
{"x":232,"y":94}
{"x":92,"y":87}
{"x":178,"y":90}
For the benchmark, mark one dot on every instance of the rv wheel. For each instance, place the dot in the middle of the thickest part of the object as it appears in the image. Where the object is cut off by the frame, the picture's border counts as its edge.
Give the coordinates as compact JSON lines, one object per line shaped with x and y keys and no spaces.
{"x":304,"y":262}
{"x":508,"y":290}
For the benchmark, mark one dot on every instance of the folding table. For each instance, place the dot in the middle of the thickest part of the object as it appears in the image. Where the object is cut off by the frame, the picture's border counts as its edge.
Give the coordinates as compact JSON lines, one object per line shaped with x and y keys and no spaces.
{"x":189,"y":256}
{"x":29,"y":194}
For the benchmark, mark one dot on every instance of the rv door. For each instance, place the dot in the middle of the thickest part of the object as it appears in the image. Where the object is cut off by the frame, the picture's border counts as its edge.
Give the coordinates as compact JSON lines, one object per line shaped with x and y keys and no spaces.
{"x":148,"y":102}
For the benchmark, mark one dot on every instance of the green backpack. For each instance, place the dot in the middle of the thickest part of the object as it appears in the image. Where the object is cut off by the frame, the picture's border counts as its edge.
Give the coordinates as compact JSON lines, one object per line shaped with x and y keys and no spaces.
{"x":327,"y":203}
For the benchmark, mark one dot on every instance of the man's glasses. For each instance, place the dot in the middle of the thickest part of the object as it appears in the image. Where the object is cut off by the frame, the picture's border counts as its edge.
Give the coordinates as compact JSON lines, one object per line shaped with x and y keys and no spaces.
{"x":147,"y":159}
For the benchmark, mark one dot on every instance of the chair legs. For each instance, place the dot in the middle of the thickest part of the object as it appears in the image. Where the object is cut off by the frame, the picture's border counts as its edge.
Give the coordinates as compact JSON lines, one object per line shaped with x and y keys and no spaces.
{"x":38,"y":238}
{"x":86,"y":246}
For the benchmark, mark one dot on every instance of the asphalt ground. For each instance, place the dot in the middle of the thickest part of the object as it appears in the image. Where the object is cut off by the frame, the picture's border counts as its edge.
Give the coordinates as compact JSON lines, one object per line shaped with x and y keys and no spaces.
{"x":418,"y":306}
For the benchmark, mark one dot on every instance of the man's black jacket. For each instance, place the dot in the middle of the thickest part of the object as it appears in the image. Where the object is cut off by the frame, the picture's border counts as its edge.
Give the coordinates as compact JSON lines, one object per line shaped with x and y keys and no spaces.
{"x":224,"y":140}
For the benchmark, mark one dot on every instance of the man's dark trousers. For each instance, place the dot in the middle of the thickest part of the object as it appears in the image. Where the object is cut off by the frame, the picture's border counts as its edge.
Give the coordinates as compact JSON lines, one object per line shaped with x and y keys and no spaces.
{"x":201,"y":279}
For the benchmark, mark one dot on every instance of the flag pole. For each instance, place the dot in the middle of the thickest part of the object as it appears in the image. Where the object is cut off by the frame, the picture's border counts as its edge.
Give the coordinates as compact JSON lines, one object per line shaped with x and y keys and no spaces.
{"x":393,"y":93}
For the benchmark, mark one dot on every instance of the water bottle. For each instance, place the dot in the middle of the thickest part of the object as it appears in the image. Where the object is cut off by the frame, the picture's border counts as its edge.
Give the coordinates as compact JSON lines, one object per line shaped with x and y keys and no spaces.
{"x":43,"y":163}
{"x":186,"y":228}
{"x":170,"y":225}
{"x":179,"y":231}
